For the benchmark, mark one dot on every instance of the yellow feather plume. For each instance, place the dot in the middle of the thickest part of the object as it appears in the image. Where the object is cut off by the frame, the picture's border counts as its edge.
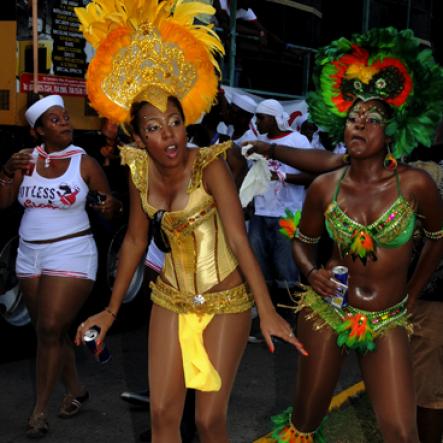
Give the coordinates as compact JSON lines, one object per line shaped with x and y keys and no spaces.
{"x":110,"y":26}
{"x":100,"y":17}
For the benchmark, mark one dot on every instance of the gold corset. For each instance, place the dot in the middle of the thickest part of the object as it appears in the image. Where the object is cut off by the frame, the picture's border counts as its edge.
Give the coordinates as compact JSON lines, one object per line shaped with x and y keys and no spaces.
{"x":200,"y":256}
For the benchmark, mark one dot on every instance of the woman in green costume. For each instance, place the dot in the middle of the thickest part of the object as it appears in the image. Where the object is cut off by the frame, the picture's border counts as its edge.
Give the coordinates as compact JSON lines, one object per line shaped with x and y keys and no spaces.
{"x":384,"y":96}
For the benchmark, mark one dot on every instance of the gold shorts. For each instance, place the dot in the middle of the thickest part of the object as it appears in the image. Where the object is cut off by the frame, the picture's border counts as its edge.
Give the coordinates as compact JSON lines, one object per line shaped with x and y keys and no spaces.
{"x":229,"y":301}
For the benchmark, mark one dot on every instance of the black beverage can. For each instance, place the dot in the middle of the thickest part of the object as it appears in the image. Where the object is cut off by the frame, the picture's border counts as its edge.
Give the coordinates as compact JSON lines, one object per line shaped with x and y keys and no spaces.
{"x":100,"y":352}
{"x":340,"y":273}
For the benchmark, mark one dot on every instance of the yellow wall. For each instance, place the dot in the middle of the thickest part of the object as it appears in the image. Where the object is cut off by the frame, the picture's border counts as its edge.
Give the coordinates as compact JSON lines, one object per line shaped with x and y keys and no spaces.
{"x":19,"y":101}
{"x":8,"y":32}
{"x":25,"y":44}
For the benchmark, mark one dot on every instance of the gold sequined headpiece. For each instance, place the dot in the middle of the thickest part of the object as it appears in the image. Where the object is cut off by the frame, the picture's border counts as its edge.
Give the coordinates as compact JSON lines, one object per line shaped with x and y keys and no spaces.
{"x":150,"y":50}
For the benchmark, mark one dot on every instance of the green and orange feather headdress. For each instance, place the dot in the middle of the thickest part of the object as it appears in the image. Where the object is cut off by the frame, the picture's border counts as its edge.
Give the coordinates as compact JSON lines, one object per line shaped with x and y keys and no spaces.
{"x":385,"y":64}
{"x":150,"y":50}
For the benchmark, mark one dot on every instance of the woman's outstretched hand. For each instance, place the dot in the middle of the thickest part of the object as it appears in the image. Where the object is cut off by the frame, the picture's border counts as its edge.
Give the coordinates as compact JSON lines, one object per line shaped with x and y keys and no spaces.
{"x":321,"y":281}
{"x":103,"y":320}
{"x":271,"y":324}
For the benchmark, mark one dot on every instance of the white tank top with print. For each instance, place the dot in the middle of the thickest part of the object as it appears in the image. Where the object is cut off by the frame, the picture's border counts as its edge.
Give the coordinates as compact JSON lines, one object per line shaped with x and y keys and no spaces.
{"x":54,"y":207}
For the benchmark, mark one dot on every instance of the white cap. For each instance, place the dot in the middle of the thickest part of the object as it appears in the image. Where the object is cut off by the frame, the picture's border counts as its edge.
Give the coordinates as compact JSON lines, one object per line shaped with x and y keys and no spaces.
{"x":275,"y":109}
{"x":38,"y":108}
{"x":244,"y":102}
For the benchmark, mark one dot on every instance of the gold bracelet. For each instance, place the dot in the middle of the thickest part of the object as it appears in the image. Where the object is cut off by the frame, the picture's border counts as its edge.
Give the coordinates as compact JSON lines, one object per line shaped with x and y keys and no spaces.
{"x":110,"y":312}
{"x":436,"y":235}
{"x":305,"y":239}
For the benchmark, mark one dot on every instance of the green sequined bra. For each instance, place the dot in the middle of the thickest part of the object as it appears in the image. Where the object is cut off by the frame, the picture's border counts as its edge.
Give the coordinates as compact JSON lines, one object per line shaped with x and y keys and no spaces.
{"x":392,"y":229}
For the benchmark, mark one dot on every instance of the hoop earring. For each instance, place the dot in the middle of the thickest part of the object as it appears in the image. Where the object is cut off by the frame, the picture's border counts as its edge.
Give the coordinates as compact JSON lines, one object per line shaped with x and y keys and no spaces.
{"x":390,"y":162}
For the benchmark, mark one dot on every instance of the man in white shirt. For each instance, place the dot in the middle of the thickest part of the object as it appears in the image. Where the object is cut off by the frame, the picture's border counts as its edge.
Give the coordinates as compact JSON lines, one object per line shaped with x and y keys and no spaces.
{"x":286,"y":190}
{"x":242,"y":110}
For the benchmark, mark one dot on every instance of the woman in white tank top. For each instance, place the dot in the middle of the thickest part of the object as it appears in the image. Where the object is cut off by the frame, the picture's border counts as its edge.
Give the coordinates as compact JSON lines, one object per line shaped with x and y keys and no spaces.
{"x":57,"y":257}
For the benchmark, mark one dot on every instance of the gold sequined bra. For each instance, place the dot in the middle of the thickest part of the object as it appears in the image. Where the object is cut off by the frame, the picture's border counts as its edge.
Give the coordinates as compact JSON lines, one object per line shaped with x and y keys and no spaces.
{"x":200,"y":256}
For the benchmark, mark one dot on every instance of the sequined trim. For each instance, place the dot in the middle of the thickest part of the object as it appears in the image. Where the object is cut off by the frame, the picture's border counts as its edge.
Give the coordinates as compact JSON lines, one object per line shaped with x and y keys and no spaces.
{"x":436,"y":235}
{"x":384,"y":230}
{"x":174,"y":267}
{"x":230,"y":301}
{"x":217,"y":264}
{"x":138,"y":161}
{"x":185,"y":225}
{"x":325,"y":314}
{"x":204,"y":157}
{"x":284,"y":431}
{"x":293,"y":435}
{"x":148,"y":68}
{"x":194,"y":249}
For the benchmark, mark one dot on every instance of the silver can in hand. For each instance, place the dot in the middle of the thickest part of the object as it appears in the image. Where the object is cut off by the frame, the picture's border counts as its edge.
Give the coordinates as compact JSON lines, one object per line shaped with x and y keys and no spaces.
{"x":101,"y":351}
{"x":340,"y":300}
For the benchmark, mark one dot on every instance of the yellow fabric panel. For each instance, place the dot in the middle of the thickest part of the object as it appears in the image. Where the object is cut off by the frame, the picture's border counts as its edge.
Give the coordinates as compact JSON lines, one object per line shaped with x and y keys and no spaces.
{"x":198,"y":370}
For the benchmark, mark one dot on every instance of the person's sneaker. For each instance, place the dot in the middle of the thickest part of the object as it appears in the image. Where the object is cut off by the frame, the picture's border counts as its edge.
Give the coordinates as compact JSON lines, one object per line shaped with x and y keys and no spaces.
{"x":255,"y":339}
{"x":136,"y":398}
{"x":37,"y":426}
{"x":72,"y":405}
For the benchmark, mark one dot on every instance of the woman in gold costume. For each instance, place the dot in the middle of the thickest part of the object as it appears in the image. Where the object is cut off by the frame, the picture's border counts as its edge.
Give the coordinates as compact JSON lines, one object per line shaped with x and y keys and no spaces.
{"x":162,"y":77}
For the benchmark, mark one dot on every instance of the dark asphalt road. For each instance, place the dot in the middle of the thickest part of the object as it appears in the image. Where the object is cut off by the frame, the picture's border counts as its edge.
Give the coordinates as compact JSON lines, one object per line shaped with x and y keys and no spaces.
{"x":263,"y":387}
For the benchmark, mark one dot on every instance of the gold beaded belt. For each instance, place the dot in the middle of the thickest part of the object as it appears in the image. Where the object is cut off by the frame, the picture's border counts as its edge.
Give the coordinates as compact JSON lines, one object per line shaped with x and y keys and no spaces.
{"x":229,"y":301}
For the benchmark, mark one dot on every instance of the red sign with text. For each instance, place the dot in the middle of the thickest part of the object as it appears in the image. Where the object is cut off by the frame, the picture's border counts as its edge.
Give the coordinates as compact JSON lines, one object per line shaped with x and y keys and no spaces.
{"x":51,"y":84}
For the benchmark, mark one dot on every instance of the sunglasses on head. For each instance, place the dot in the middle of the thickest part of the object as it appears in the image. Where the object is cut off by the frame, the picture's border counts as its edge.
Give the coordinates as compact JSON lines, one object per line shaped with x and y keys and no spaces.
{"x":159,"y":236}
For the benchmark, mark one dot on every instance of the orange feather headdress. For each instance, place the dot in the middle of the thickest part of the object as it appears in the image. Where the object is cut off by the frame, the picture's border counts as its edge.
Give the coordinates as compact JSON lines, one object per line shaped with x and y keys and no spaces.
{"x":150,"y":50}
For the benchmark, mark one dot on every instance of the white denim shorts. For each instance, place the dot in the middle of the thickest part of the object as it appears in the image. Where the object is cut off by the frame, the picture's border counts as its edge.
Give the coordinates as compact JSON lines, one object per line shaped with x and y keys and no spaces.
{"x":74,"y":258}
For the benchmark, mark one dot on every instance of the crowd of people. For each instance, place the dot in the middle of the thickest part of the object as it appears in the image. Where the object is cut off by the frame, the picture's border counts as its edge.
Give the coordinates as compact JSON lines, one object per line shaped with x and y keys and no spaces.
{"x":183,"y":185}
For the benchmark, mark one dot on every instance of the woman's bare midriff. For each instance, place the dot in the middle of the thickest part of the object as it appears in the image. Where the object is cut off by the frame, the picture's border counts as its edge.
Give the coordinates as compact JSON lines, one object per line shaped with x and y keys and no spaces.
{"x":65,"y":237}
{"x":378,"y":284}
